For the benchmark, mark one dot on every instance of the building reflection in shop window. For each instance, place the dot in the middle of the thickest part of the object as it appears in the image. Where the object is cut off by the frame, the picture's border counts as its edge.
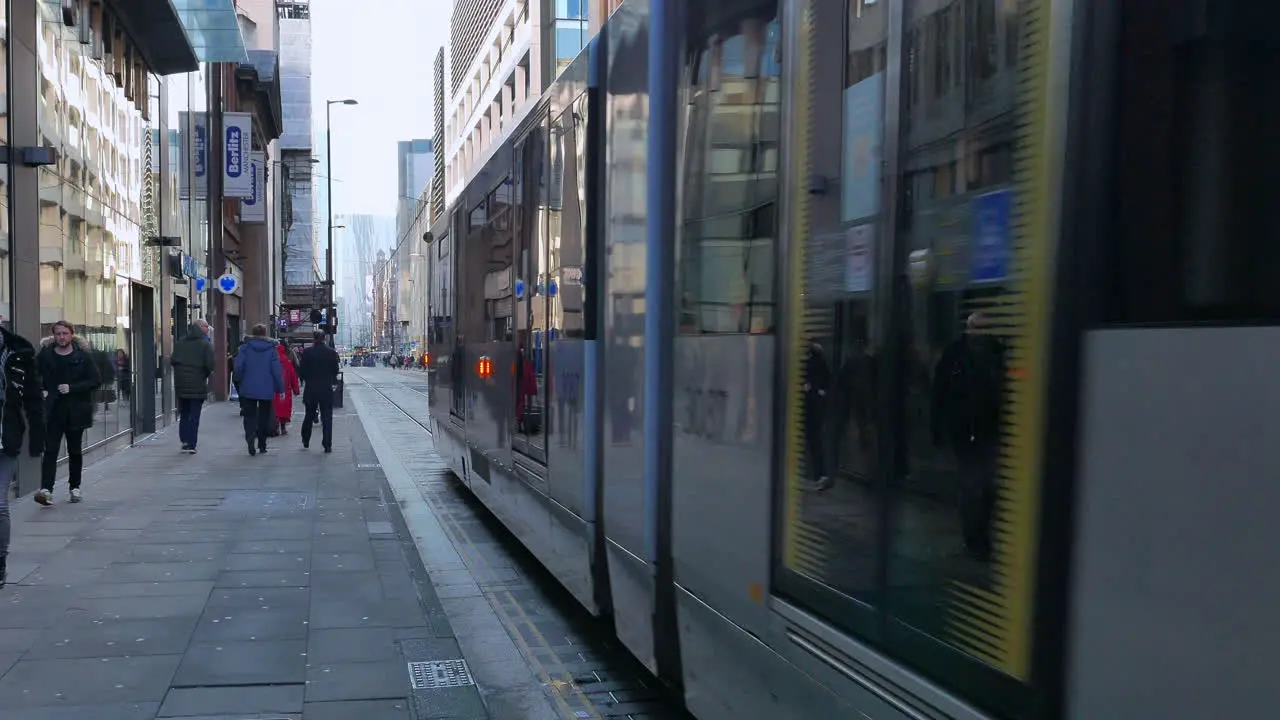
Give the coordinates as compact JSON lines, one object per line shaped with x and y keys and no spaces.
{"x":90,"y":213}
{"x":6,"y":281}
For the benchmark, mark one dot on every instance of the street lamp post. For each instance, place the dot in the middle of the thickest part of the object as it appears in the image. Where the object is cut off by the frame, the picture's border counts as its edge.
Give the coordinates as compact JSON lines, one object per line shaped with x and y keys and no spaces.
{"x":328,"y":255}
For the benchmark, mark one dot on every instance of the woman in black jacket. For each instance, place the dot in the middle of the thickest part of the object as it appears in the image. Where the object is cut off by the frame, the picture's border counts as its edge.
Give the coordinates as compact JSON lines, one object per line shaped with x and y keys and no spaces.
{"x":23,"y":410}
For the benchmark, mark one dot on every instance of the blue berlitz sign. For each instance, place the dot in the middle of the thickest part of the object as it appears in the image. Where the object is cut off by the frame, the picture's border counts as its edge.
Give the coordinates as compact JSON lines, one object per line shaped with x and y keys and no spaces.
{"x":235,"y":151}
{"x":228,"y":284}
{"x":990,"y":244}
{"x":201,"y":284}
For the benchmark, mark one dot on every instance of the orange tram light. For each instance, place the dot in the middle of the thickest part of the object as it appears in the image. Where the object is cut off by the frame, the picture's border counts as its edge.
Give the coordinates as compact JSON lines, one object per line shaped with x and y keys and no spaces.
{"x":484,"y":368}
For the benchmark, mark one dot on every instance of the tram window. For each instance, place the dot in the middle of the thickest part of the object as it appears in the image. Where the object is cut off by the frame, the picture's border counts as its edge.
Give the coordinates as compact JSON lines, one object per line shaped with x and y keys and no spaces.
{"x":531,"y":296}
{"x":497,"y":270}
{"x":1197,"y":161}
{"x":728,"y":235}
{"x":833,"y":489}
{"x":893,"y":528}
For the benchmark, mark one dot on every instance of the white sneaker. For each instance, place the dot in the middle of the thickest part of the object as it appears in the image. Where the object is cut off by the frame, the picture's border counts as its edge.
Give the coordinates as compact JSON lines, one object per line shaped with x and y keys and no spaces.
{"x":76,"y":495}
{"x":44,"y":497}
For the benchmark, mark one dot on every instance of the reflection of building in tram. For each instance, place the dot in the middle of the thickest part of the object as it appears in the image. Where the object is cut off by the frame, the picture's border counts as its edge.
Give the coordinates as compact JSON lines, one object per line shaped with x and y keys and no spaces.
{"x":730,"y":183}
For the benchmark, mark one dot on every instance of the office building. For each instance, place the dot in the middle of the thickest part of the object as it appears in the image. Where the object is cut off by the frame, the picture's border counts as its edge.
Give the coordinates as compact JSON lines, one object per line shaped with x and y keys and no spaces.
{"x":126,"y":181}
{"x":303,"y":259}
{"x":415,"y":160}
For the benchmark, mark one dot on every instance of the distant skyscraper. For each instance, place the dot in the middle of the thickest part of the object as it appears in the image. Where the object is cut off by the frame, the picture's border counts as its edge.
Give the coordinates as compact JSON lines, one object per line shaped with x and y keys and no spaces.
{"x":355,"y":264}
{"x":415,"y":162}
{"x":295,"y":142}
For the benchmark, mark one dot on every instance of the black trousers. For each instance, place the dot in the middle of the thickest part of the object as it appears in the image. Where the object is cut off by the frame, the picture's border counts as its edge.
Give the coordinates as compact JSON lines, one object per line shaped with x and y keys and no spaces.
{"x":258,"y":416}
{"x":322,"y":400}
{"x":54,"y":431}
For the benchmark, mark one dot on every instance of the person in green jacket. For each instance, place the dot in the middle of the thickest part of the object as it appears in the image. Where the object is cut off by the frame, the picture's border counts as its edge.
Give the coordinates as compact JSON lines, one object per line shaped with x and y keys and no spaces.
{"x":192,"y":367}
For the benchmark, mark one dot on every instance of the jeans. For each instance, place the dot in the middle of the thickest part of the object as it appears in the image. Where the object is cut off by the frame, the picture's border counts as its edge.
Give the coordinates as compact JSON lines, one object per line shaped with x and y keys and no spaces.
{"x":189,"y":420}
{"x":321,"y":399}
{"x":258,"y":416}
{"x":8,"y":466}
{"x":55,"y":430}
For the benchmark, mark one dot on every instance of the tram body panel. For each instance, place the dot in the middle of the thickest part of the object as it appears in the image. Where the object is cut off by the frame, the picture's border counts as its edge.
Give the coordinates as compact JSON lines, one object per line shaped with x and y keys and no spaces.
{"x":722,"y":473}
{"x":628,"y":519}
{"x":1177,"y":460}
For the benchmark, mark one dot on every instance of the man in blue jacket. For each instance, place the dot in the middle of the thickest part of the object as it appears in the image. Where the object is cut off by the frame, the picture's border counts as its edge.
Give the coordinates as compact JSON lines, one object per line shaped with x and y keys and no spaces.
{"x":259,"y":377}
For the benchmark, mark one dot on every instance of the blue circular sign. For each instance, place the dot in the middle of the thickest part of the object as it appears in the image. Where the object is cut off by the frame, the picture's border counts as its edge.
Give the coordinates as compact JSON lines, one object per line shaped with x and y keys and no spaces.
{"x":552,"y":288}
{"x":228,"y":283}
{"x":519,"y":288}
{"x":201,"y":284}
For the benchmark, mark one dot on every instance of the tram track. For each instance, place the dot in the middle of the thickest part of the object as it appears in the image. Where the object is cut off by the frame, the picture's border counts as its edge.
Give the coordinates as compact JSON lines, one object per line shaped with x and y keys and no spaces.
{"x":582,"y":667}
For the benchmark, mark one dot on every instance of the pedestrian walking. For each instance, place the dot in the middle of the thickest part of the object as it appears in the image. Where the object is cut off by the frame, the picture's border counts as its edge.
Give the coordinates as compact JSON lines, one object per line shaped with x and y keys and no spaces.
{"x":260,"y":378}
{"x":124,"y":374}
{"x":283,"y":402}
{"x":319,"y":371}
{"x":192,"y":367}
{"x":69,"y":376}
{"x":23,"y":410}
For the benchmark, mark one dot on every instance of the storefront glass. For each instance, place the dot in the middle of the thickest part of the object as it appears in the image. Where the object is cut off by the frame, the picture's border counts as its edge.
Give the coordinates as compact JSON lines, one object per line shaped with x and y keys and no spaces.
{"x":90,"y":211}
{"x":6,"y":280}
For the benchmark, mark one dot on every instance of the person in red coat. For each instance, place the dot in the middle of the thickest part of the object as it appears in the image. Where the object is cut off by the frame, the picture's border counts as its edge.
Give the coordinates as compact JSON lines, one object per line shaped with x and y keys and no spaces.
{"x":284,"y":401}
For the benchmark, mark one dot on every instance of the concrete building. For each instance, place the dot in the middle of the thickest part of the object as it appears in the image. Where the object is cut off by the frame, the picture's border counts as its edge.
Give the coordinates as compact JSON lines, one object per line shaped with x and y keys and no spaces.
{"x":355,"y":264}
{"x":502,"y":55}
{"x":133,"y":199}
{"x":415,"y":160}
{"x":302,"y":258}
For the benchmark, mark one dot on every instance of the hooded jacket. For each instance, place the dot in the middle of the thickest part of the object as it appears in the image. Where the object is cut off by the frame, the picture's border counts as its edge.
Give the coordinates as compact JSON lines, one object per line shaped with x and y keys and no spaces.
{"x":192,"y":365}
{"x":23,"y":401}
{"x":83,"y":378}
{"x":257,"y":369}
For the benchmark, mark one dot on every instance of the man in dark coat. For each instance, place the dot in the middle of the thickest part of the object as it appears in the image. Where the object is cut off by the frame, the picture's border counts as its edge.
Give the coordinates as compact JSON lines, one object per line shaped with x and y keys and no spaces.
{"x":69,"y":376}
{"x":319,"y":370}
{"x":192,"y":366}
{"x":22,"y":414}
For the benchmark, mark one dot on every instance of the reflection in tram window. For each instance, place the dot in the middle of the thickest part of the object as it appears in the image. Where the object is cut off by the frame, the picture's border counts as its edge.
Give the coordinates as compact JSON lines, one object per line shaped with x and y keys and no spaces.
{"x":531,"y":296}
{"x":934,"y":433}
{"x":730,"y":187}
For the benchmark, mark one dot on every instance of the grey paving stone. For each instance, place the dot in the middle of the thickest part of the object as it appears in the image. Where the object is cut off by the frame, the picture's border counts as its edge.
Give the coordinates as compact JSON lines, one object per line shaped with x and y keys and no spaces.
{"x":352,"y":645}
{"x":342,"y":562}
{"x":118,"y":711}
{"x":17,"y":640}
{"x":266,"y":561}
{"x":344,"y":613}
{"x":114,"y":638}
{"x":357,"y":681}
{"x":272,"y":624}
{"x":243,"y":701}
{"x":358,"y":710}
{"x":148,"y":606}
{"x":87,"y":681}
{"x":178,"y":552}
{"x":270,"y":662}
{"x":465,"y":703}
{"x":272,"y":546}
{"x":296,"y":598}
{"x":161,"y":572}
{"x":147,"y":589}
{"x":263,"y":579}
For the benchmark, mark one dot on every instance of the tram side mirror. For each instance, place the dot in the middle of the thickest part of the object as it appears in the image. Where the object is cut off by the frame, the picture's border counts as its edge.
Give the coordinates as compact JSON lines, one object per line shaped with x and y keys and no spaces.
{"x":428,"y":237}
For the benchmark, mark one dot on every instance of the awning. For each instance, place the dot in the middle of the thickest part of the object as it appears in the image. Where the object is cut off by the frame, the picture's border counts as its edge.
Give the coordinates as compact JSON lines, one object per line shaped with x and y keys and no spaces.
{"x":157,"y":32}
{"x":213,"y":28}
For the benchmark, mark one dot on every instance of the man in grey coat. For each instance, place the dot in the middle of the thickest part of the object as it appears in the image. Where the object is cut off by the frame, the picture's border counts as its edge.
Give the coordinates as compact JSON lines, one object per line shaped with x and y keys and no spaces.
{"x":192,"y":367}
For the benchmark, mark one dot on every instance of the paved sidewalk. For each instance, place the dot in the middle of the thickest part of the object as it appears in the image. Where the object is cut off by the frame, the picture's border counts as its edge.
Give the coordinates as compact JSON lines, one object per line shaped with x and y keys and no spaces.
{"x":225,"y":586}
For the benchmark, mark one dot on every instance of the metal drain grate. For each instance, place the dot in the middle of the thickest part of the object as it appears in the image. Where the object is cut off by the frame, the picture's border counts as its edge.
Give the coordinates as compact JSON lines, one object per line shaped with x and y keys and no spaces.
{"x":439,"y":674}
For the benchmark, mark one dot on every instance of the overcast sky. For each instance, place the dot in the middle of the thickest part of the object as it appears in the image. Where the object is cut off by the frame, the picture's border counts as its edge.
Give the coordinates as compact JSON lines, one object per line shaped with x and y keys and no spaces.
{"x":380,"y":53}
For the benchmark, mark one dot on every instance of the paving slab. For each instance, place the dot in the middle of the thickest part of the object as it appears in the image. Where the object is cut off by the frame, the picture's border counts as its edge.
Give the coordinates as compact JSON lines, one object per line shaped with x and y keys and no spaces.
{"x":221,"y":586}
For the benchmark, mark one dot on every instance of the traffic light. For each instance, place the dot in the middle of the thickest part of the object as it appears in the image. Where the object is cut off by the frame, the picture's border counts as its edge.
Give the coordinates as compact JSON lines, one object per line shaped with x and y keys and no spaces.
{"x":316,"y":317}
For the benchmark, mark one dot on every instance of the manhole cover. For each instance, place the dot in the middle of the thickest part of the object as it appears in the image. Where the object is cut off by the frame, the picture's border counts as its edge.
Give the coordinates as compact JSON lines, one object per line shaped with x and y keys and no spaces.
{"x":439,"y":674}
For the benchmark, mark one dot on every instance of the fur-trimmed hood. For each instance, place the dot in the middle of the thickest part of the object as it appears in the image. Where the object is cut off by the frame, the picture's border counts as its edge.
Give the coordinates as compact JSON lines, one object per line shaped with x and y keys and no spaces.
{"x":80,"y":342}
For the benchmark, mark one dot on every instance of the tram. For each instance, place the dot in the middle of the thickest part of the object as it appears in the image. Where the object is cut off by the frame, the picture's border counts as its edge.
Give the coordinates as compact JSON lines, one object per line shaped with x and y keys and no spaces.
{"x":954,"y":399}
